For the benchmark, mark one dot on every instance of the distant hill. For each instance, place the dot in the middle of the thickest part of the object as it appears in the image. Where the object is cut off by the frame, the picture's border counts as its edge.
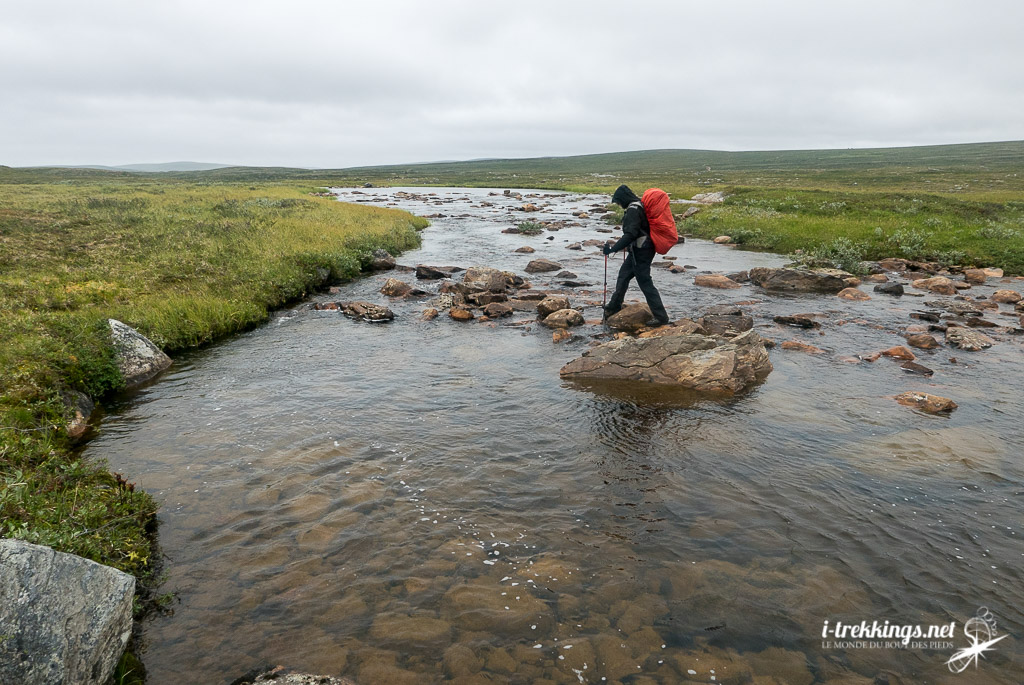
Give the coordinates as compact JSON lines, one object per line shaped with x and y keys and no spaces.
{"x":940,"y":168}
{"x":144,"y":168}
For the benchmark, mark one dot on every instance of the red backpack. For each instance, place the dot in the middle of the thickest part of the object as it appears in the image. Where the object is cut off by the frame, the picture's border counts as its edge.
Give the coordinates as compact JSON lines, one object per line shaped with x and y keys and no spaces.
{"x":659,"y":216}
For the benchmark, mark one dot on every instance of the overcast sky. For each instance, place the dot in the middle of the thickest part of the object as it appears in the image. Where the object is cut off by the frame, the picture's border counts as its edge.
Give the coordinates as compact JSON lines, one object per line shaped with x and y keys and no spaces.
{"x":336,"y":84}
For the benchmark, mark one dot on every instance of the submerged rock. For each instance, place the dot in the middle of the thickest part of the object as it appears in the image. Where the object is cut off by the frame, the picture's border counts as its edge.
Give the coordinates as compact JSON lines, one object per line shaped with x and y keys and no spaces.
{"x":797,"y":346}
{"x":137,"y":357}
{"x":968,"y":339}
{"x":931,"y":404}
{"x":797,"y":321}
{"x":922,"y":341}
{"x":800,"y":280}
{"x":63,"y":619}
{"x":725,"y":320}
{"x":889,"y":289}
{"x":280,"y":675}
{"x":715,"y":281}
{"x":710,"y":364}
{"x":853,"y":294}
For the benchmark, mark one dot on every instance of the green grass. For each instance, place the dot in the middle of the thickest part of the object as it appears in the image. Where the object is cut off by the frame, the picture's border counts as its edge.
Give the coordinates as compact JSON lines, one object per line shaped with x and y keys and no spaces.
{"x":185,"y":264}
{"x":848,"y":226}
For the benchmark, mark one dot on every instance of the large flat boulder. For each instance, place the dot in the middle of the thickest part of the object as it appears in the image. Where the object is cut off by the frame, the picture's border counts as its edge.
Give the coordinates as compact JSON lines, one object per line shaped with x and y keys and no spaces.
{"x":137,"y":357}
{"x":800,"y":280}
{"x":63,"y":619}
{"x":704,"y":363}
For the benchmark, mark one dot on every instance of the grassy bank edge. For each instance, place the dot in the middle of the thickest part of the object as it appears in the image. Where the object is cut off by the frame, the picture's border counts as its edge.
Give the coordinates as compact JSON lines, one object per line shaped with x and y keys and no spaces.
{"x":49,"y":494}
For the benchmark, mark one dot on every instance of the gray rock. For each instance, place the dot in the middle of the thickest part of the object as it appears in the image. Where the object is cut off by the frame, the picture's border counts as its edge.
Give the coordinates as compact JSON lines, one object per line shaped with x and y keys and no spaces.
{"x":967,"y":339}
{"x":80,"y":408}
{"x":366,"y":311}
{"x":485,"y":278}
{"x":797,"y":321}
{"x":382,"y":261}
{"x":707,"y":364}
{"x":63,"y":619}
{"x":799,"y":280}
{"x":430,"y":273}
{"x":728,"y":325}
{"x":137,"y":357}
{"x":889,"y":289}
{"x":282,"y":676}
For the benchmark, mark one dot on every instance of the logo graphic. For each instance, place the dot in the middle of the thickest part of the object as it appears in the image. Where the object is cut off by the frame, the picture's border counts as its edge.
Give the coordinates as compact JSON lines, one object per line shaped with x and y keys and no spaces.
{"x":981,"y":631}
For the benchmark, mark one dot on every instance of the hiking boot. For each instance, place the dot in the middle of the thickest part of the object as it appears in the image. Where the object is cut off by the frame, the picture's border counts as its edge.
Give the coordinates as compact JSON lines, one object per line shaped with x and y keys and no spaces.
{"x":654,"y":323}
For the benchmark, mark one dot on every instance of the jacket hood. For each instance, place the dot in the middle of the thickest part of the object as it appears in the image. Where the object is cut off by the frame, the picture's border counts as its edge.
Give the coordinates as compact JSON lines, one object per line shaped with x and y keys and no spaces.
{"x":623,"y":196}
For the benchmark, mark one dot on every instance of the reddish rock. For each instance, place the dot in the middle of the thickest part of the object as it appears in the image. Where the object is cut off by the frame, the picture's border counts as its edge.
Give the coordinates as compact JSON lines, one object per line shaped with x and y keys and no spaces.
{"x":715,"y":281}
{"x":853,"y":294}
{"x":915,"y":368}
{"x":632,"y":317}
{"x":429,"y":314}
{"x":526,"y":249}
{"x":797,"y":321}
{"x":899,"y":352}
{"x":460,"y":314}
{"x":497,"y":310}
{"x":801,"y":347}
{"x":931,"y":404}
{"x":550,"y":305}
{"x":1006,"y":296}
{"x":975,"y":276}
{"x":541,"y":265}
{"x":938,"y":284}
{"x":922,"y":341}
{"x":561,"y":335}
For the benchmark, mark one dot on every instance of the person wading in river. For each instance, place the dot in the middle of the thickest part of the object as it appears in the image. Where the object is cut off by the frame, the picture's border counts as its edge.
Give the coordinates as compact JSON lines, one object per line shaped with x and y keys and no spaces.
{"x":636,"y":241}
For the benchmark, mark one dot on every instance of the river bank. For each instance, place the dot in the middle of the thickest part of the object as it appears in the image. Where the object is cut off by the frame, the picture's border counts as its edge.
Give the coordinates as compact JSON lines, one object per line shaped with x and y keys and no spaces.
{"x":186,"y":264}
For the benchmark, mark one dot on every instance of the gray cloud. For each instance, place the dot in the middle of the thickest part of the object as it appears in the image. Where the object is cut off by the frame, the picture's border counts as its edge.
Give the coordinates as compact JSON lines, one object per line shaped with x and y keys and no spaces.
{"x":340,"y":84}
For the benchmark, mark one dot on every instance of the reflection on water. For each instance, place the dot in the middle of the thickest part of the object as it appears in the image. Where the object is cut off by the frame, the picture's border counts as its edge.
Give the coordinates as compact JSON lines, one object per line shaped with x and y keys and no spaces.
{"x":423,"y":501}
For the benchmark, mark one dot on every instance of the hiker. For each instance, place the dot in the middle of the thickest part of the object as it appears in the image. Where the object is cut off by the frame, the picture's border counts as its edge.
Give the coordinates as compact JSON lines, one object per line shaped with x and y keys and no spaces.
{"x":637,"y":264}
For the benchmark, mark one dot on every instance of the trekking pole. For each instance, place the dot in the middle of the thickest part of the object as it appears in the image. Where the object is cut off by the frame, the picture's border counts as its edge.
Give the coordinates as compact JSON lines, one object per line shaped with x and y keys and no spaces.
{"x":604,"y":299}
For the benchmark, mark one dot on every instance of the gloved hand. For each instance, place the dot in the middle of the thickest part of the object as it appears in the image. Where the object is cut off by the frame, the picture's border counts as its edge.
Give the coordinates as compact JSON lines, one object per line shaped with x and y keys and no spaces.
{"x":607,"y":249}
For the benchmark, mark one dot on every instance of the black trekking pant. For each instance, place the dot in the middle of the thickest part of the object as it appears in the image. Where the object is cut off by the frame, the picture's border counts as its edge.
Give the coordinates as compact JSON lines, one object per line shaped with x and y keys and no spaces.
{"x":637,"y":264}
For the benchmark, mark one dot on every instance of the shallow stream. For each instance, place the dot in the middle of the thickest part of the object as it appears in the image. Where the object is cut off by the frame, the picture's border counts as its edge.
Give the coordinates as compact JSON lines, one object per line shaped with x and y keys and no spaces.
{"x":426,"y":500}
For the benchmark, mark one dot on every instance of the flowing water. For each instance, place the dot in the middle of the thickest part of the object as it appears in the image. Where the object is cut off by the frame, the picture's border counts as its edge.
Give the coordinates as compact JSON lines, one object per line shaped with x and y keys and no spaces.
{"x":426,"y":500}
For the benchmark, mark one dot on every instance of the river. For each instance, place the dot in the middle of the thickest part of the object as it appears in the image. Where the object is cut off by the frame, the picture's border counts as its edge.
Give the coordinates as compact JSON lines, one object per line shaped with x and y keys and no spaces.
{"x":424,"y":500}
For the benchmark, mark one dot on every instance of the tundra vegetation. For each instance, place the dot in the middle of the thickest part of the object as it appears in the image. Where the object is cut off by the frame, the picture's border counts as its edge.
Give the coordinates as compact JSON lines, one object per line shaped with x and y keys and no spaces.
{"x":185,"y":264}
{"x":190,"y":257}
